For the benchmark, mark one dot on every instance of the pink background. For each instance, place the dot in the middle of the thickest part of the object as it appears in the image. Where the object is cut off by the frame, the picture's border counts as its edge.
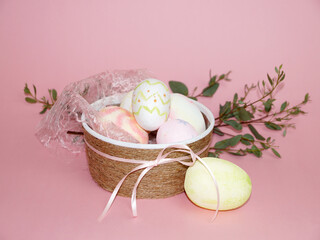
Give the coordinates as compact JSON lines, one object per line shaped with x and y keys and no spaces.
{"x":47,"y":195}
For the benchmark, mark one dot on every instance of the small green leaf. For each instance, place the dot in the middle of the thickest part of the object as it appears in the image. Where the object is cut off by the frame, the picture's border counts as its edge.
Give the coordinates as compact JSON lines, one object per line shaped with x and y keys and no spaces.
{"x":44,"y":110}
{"x":213,"y":80}
{"x":284,"y":132}
{"x":26,"y":90}
{"x":276,"y":69}
{"x":270,"y":80}
{"x":35,"y":90}
{"x":264,"y":145}
{"x":283,"y":106}
{"x":256,"y":151}
{"x":211,"y":154}
{"x":222,"y":76}
{"x":282,"y":77}
{"x":222,"y":144}
{"x":218,"y":131}
{"x":226,"y":108}
{"x":30,"y":100}
{"x":54,"y":94}
{"x":194,"y":98}
{"x":255,"y":133}
{"x":235,"y":140}
{"x":233,"y":124}
{"x":244,"y":115}
{"x":272,"y":126}
{"x":276,"y":153}
{"x":248,"y":137}
{"x":306,"y":98}
{"x":245,"y":142}
{"x":209,"y":91}
{"x":238,"y":153}
{"x":268,"y":104}
{"x":235,"y":98}
{"x":178,"y":87}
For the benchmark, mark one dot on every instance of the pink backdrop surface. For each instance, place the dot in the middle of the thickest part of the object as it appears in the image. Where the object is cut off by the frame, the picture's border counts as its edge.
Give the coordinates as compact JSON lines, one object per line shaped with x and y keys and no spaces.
{"x":48,"y":195}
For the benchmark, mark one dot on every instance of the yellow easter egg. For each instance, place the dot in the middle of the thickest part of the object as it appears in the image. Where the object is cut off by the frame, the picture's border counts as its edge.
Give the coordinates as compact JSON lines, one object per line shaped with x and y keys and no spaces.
{"x":233,"y":182}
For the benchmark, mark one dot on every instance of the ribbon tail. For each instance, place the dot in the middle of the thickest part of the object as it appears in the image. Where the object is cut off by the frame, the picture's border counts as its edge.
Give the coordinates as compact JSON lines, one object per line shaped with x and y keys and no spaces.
{"x":134,"y":191}
{"x":111,"y":199}
{"x":216,"y":185}
{"x":115,"y":192}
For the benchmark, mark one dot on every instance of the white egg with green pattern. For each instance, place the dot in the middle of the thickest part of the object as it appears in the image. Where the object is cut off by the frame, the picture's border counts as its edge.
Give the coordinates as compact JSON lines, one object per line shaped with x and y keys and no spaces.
{"x":233,"y":182}
{"x":151,"y":104}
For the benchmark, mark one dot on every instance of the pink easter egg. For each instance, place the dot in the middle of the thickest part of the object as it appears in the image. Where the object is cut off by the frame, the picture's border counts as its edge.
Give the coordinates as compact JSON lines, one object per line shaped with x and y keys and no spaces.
{"x":175,"y":130}
{"x":123,"y":119}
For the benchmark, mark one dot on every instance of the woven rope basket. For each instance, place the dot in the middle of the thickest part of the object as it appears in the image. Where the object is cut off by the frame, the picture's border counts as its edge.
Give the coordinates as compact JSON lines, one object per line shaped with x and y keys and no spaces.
{"x":161,"y":181}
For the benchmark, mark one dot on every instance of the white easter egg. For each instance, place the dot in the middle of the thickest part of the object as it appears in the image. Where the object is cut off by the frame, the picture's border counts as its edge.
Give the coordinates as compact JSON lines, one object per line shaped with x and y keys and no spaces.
{"x":183,"y":108}
{"x":126,"y":102}
{"x":151,"y":104}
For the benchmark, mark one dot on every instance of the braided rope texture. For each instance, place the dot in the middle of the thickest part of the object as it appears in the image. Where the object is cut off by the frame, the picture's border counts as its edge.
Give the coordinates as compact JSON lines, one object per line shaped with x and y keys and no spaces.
{"x":162,"y":181}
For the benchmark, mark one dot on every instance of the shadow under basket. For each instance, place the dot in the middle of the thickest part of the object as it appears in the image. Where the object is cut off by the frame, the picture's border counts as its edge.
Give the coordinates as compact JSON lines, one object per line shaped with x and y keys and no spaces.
{"x":161,"y":181}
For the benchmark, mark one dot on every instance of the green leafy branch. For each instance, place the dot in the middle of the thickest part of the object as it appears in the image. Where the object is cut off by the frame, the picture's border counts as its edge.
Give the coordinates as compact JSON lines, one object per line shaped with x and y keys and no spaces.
{"x":208,"y":91}
{"x":46,"y":103}
{"x":239,"y":115}
{"x":243,"y":115}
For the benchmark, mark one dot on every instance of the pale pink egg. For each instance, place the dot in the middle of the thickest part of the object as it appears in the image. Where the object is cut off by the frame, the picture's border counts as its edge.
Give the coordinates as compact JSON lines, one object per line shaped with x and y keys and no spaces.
{"x":123,"y":119}
{"x":175,"y":130}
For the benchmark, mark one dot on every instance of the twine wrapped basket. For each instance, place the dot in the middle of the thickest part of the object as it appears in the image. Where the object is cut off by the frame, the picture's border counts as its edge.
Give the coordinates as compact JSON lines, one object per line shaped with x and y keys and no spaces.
{"x":162,"y":181}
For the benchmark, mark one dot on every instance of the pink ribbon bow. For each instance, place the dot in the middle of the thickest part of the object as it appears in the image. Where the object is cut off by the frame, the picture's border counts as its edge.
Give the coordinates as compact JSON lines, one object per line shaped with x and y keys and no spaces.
{"x":147,"y":166}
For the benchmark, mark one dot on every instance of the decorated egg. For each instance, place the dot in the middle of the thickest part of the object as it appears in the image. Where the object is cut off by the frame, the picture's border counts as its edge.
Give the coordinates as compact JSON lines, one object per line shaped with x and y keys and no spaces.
{"x":123,"y":119}
{"x":151,"y":104}
{"x":175,"y":130}
{"x":183,"y":108}
{"x":126,"y":102}
{"x":233,"y":182}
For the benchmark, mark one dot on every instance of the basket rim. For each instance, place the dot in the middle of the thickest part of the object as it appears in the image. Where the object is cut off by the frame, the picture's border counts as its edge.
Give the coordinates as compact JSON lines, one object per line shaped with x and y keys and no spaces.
{"x":202,"y":108}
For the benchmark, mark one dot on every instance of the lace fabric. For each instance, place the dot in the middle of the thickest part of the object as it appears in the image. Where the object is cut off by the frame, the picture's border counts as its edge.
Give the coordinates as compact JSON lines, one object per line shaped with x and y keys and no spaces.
{"x":61,"y":126}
